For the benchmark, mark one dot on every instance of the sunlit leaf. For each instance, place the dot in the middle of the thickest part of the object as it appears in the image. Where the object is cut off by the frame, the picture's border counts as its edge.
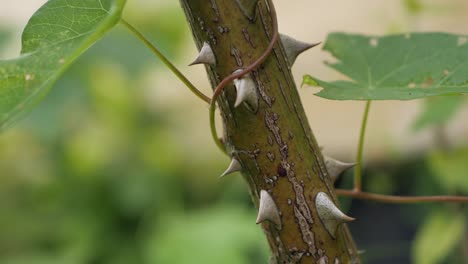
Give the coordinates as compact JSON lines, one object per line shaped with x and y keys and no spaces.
{"x":437,"y":238}
{"x":55,"y":36}
{"x":396,"y":67}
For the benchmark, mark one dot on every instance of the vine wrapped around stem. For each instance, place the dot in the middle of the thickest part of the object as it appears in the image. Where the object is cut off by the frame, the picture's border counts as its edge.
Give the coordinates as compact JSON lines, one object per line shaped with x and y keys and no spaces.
{"x":238,"y":75}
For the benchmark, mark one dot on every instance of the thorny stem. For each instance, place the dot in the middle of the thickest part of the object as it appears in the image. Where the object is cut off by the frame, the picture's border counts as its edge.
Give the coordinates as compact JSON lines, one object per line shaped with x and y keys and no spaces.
{"x":166,"y":61}
{"x":401,"y":199}
{"x":356,"y":192}
{"x":234,"y":76}
{"x":358,"y":168}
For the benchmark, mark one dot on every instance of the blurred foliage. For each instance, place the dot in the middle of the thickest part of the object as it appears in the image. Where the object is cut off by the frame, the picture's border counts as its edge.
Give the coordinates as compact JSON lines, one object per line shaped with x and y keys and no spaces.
{"x":414,"y":7}
{"x":451,"y":169}
{"x":226,"y":238}
{"x":95,"y":175}
{"x":413,"y":233}
{"x":438,"y":237}
{"x":3,"y":36}
{"x":438,"y":111}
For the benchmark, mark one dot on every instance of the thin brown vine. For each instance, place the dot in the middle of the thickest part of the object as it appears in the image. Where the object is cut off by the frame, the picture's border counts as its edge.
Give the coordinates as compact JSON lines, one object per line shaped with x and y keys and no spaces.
{"x":237,"y":75}
{"x":400,"y":199}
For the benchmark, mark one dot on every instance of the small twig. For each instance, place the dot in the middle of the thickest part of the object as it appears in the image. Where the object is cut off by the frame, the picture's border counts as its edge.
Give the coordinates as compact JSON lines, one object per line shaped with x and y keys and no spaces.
{"x":234,"y":76}
{"x":401,"y":199}
{"x":166,"y":61}
{"x":358,"y":168}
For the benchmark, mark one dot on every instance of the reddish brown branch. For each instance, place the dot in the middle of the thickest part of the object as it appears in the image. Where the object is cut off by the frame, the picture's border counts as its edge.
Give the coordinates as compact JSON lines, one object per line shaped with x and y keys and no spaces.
{"x":401,"y":199}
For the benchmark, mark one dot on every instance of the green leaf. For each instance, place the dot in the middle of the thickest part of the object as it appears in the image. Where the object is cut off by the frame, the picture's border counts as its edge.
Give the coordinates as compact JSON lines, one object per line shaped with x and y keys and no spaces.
{"x":55,"y":36}
{"x":438,"y":111}
{"x":437,"y":238}
{"x":397,"y":67}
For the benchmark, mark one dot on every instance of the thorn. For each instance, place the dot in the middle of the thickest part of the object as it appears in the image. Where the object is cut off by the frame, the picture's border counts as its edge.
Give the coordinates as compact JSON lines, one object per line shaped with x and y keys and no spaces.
{"x":206,"y":56}
{"x":248,"y":7}
{"x":235,"y":166}
{"x":329,"y":214}
{"x":336,"y":167}
{"x":246,"y":92}
{"x":268,"y":210}
{"x":294,"y":47}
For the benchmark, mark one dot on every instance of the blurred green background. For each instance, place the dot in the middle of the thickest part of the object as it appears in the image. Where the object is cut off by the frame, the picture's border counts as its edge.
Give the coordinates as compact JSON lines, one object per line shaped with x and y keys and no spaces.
{"x":116,"y":164}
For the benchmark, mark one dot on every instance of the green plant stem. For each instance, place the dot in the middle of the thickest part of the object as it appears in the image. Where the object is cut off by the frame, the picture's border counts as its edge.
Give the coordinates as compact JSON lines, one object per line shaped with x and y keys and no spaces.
{"x":214,"y":134}
{"x":401,"y":199}
{"x":166,"y":61}
{"x":358,"y":168}
{"x":234,"y":76}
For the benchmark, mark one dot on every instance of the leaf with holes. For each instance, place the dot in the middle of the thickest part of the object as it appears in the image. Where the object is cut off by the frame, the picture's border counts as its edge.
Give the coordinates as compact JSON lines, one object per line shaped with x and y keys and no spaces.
{"x":396,"y":67}
{"x":55,"y":36}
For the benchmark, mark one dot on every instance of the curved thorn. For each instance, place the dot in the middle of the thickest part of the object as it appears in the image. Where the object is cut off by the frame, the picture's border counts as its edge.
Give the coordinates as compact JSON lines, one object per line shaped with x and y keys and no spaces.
{"x":248,"y":7}
{"x":329,"y":213}
{"x":294,"y":47}
{"x":246,"y":92}
{"x":336,"y":167}
{"x":206,"y":56}
{"x":268,"y":210}
{"x":235,"y":166}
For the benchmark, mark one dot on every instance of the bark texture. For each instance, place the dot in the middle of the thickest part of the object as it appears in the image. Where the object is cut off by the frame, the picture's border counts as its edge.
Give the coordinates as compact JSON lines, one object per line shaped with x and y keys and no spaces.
{"x":274,"y":144}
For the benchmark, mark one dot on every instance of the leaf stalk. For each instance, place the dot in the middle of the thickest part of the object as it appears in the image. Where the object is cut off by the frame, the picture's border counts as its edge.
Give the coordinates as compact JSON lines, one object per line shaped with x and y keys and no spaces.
{"x":166,"y":61}
{"x":360,"y":151}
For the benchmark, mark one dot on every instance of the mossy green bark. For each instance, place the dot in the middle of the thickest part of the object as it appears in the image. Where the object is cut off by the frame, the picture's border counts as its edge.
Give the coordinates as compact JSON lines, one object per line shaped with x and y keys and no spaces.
{"x":275,"y":145}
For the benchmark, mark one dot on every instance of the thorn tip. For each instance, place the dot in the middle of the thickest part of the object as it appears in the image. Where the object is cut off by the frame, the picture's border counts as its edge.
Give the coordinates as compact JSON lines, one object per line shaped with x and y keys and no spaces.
{"x":336,"y":167}
{"x":206,"y":56}
{"x":330,"y":215}
{"x":294,"y":47}
{"x":246,"y":92}
{"x":234,"y":166}
{"x":268,"y":211}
